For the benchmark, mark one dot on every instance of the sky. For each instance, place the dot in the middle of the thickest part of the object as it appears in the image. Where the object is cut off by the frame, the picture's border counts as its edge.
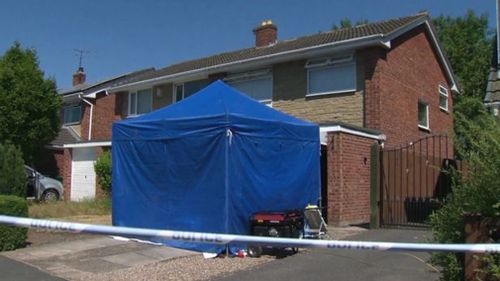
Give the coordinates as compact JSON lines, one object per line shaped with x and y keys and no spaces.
{"x":123,"y":36}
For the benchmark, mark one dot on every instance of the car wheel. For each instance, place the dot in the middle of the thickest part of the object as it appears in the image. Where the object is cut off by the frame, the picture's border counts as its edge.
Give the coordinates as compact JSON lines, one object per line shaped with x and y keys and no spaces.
{"x":254,"y":251}
{"x":50,"y":196}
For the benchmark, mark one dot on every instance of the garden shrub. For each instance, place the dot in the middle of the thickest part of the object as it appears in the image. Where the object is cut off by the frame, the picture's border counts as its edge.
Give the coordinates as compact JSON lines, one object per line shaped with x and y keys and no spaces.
{"x":477,"y":192}
{"x":103,"y":171}
{"x":12,"y":172}
{"x":11,"y":237}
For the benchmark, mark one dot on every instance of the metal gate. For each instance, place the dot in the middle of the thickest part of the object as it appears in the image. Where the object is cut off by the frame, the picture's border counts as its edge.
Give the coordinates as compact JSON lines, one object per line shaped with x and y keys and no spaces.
{"x":415,"y":180}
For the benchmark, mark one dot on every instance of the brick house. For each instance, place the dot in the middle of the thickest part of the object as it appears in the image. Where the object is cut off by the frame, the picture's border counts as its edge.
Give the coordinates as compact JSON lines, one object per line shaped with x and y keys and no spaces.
{"x":384,"y":82}
{"x":70,"y":156}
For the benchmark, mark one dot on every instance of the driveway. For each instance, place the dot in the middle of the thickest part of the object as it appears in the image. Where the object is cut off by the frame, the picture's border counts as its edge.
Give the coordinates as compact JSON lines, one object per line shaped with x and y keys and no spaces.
{"x":347,"y":265}
{"x":82,"y":259}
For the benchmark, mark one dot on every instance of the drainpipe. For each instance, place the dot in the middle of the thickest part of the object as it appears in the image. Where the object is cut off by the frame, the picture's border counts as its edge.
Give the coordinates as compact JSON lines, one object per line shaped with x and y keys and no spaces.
{"x":90,"y":118}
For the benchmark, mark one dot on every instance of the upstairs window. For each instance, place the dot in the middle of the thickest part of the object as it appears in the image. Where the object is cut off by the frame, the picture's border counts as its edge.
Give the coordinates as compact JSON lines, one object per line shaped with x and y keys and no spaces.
{"x":72,"y":115}
{"x":331,"y":75}
{"x":184,"y":90}
{"x":423,"y":115}
{"x":139,"y":102}
{"x":443,"y":98}
{"x":256,"y":84}
{"x":178,"y":92}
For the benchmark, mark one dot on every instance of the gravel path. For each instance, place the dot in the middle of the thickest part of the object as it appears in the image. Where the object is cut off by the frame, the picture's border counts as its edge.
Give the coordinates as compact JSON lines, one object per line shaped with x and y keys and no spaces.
{"x":184,"y":268}
{"x":187,"y":268}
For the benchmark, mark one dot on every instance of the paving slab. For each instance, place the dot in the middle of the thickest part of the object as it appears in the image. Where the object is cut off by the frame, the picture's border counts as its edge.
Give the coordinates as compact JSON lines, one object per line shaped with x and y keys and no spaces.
{"x":130,"y":259}
{"x":95,"y":265}
{"x":73,"y":259}
{"x":59,"y":249}
{"x":17,"y":271}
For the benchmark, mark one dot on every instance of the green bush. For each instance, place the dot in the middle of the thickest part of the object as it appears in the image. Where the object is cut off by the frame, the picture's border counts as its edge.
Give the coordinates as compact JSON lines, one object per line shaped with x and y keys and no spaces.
{"x":103,"y":171}
{"x":11,"y":237}
{"x":12,"y":173}
{"x":478,"y":191}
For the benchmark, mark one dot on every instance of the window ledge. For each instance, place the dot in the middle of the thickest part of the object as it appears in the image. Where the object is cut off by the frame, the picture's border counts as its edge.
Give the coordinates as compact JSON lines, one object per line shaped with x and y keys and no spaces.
{"x":444,"y":110}
{"x":71,"y":124}
{"x":133,"y":115}
{"x":331,"y":93}
{"x":422,"y":128}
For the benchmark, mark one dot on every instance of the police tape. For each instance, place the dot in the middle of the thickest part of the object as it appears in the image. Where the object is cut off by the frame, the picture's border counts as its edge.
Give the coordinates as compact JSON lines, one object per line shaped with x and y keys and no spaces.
{"x":227,"y":239}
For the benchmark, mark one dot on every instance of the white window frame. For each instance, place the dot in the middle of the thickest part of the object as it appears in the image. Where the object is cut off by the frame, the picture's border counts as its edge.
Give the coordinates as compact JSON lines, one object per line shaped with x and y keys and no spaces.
{"x":443,"y":92}
{"x":134,"y":114}
{"x":72,"y":107}
{"x":331,"y":62}
{"x":427,"y":116}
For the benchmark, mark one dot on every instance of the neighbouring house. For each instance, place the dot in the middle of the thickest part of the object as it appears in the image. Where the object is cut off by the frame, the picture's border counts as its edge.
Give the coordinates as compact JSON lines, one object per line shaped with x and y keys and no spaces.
{"x":71,"y":155}
{"x":385,"y":82}
{"x":492,"y":97}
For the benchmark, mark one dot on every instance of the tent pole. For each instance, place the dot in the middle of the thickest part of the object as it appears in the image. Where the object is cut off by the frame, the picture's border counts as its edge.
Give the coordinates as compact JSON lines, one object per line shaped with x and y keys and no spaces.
{"x":226,"y":181}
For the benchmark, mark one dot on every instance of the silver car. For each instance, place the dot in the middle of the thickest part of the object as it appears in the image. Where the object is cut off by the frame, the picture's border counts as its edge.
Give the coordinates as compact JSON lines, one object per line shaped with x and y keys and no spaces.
{"x":41,"y":187}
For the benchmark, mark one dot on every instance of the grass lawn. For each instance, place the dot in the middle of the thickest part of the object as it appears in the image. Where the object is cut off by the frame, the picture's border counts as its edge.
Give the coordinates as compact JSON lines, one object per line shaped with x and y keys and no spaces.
{"x":90,"y":211}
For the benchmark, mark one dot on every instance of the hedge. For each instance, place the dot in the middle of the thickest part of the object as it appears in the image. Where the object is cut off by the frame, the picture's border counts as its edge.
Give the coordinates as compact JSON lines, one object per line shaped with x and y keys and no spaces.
{"x":12,"y":238}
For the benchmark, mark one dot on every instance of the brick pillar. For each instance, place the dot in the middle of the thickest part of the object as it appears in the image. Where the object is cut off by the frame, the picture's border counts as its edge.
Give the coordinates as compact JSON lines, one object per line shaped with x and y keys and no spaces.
{"x":66,"y":174}
{"x":348,"y":179}
{"x":335,"y":180}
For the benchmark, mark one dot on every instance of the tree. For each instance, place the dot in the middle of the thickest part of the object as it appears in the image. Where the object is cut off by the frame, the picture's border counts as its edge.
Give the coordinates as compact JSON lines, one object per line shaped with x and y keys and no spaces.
{"x":346,"y":23}
{"x":477,"y":140}
{"x":29,"y":104}
{"x":468,"y":48}
{"x":12,"y":173}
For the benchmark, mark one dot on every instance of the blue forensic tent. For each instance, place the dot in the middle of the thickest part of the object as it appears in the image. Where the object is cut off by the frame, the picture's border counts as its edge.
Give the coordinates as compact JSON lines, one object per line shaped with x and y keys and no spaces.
{"x":210,"y":161}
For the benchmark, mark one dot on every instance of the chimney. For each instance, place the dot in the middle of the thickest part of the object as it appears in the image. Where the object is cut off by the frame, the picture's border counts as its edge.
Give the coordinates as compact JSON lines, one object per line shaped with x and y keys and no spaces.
{"x":266,"y":34}
{"x":79,"y":76}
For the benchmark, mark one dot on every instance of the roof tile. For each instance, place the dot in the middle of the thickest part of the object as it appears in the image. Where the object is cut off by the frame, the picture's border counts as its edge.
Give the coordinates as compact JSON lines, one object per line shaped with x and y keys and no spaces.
{"x":64,"y":136}
{"x":383,"y":28}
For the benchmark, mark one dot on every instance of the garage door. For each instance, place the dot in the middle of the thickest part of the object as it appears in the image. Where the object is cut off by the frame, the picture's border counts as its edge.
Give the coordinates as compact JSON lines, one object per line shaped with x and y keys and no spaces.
{"x":83,"y":174}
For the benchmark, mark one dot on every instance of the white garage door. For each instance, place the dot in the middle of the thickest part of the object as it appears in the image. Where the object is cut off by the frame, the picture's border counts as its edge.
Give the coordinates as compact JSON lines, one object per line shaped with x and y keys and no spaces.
{"x":83,"y":174}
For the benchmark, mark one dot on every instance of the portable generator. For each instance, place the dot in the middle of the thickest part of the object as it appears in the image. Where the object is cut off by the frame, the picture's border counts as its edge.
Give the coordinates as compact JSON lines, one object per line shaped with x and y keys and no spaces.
{"x":288,"y":224}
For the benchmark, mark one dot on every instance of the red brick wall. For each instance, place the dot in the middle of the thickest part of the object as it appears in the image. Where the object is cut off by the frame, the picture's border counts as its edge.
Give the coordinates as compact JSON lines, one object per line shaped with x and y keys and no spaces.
{"x":67,"y":173}
{"x":348,"y":179}
{"x":395,"y":82}
{"x":84,"y":124}
{"x":107,"y":109}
